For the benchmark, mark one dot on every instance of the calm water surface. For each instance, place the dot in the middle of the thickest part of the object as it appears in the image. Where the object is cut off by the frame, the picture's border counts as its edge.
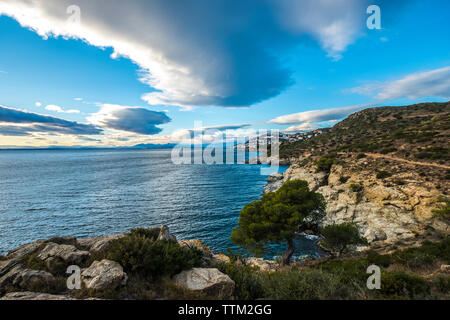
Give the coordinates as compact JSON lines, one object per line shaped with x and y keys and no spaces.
{"x":86,"y":193}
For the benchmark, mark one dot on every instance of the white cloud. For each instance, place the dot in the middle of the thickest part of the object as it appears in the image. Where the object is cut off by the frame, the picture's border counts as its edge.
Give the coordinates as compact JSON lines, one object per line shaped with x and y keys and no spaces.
{"x":202,"y":53}
{"x":78,"y":99}
{"x":55,"y":108}
{"x":303,"y":127}
{"x":38,"y":104}
{"x":433,"y":83}
{"x":318,"y":115}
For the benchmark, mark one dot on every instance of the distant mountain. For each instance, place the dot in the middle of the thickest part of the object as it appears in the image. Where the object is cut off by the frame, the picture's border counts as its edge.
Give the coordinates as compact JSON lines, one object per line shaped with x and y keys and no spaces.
{"x":155,"y":146}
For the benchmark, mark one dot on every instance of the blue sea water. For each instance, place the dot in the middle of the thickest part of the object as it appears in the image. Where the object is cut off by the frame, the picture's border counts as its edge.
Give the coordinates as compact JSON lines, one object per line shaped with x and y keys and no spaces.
{"x":87,"y":193}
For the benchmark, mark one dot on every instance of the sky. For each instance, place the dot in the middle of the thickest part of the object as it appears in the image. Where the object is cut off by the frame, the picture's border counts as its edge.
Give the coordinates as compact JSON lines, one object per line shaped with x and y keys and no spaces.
{"x":114,"y":73}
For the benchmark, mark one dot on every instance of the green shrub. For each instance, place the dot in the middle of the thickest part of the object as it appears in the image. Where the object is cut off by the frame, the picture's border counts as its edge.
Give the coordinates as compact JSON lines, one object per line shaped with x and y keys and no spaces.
{"x":379,"y":260}
{"x":350,"y":271}
{"x":152,"y":233}
{"x":339,"y":237}
{"x":247,"y":279}
{"x":425,"y":255}
{"x":324,"y":164}
{"x":400,"y":284}
{"x":305,"y":284}
{"x":443,"y":212}
{"x":356,"y":187}
{"x":442,"y":284}
{"x":153,"y":259}
{"x":383,"y":174}
{"x":344,"y":179}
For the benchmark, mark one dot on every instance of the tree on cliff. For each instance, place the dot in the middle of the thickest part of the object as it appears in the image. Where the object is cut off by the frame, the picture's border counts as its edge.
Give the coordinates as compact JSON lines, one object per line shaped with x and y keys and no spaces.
{"x":339,"y":237}
{"x":277,"y":216}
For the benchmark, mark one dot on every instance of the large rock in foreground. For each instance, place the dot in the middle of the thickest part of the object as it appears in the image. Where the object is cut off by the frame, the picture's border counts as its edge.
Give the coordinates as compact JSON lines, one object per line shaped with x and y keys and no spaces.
{"x":211,"y":282}
{"x":105,"y":274}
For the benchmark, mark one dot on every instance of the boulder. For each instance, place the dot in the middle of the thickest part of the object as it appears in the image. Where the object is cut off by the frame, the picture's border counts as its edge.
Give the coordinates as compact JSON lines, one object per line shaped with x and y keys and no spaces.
{"x":68,"y":253}
{"x":208,"y":255}
{"x":24,"y":250}
{"x":274,"y":177}
{"x":95,"y":245}
{"x":15,"y":274}
{"x":263,"y":265}
{"x":221,"y":258}
{"x":210,"y":282}
{"x":165,"y":234}
{"x":445,"y":268}
{"x":34,"y":296}
{"x":105,"y":274}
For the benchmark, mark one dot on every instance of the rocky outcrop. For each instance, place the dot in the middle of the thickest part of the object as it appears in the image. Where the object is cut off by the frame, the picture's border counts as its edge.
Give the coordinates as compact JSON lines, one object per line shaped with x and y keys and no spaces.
{"x":385,"y":213}
{"x":14,"y":274}
{"x":263,"y":265}
{"x":95,"y":245}
{"x":34,"y":296}
{"x":165,"y":234}
{"x":105,"y":274}
{"x":210,"y":282}
{"x":52,"y":253}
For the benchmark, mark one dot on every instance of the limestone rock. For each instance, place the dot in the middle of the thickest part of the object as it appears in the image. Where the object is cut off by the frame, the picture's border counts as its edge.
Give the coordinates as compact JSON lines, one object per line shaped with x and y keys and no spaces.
{"x":34,"y":296}
{"x":166,"y":235}
{"x":211,"y":282}
{"x":221,"y":258}
{"x":98,"y":244}
{"x":24,"y":250}
{"x":208,"y":255}
{"x":445,"y":268}
{"x":263,"y":265}
{"x":65,"y":252}
{"x":105,"y":274}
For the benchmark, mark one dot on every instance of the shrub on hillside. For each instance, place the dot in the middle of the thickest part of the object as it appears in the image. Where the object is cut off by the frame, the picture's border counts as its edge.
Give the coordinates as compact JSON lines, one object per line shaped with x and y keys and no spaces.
{"x":307,"y":284}
{"x":324,"y":164}
{"x":383,"y":174}
{"x":153,"y":259}
{"x":339,"y":237}
{"x":400,"y":284}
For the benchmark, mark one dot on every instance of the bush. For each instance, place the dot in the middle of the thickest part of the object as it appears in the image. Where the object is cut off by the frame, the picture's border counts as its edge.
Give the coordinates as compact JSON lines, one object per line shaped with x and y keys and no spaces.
{"x":443,"y":212}
{"x":324,"y":164}
{"x":247,"y":280}
{"x":305,"y":284}
{"x":383,"y":174}
{"x":344,"y":179}
{"x":400,"y":284}
{"x":442,"y":284}
{"x":356,"y":187}
{"x":379,"y":260}
{"x":153,"y":259}
{"x":425,"y":255}
{"x":339,"y":237}
{"x":152,"y":233}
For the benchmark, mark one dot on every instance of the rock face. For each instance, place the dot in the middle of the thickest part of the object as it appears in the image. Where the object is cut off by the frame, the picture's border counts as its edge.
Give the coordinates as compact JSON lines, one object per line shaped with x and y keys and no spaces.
{"x":68,"y":253}
{"x":384,"y":213}
{"x":105,"y":274}
{"x":14,"y":273}
{"x":166,"y":235}
{"x":98,"y":244}
{"x":211,"y":282}
{"x":34,"y":296}
{"x":263,"y":265}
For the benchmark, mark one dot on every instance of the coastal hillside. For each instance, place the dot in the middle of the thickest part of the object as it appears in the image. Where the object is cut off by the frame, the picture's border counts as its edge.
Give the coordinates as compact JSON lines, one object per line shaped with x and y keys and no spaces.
{"x":385,"y":169}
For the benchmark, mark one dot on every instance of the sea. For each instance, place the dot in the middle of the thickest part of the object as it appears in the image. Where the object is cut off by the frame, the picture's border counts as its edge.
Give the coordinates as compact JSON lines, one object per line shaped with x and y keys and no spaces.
{"x":95,"y":192}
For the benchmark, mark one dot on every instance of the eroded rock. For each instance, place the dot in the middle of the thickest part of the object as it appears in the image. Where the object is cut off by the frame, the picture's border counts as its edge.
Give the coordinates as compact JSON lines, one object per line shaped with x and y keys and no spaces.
{"x":208,"y":281}
{"x":105,"y":274}
{"x":34,"y":296}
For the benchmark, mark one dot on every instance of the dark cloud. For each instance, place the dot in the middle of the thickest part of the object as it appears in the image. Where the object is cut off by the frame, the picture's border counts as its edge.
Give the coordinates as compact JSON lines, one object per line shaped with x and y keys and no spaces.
{"x":33,"y":122}
{"x":130,"y":119}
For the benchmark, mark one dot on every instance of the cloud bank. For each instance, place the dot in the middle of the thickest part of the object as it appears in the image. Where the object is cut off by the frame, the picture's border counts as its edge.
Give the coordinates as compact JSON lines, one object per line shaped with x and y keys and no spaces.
{"x":202,"y":53}
{"x":15,"y":122}
{"x":309,"y":117}
{"x":433,"y":83}
{"x":131,"y":119}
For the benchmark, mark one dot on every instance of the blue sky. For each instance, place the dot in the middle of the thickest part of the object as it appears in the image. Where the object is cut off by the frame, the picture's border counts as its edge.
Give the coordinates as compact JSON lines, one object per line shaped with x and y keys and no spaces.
{"x":255,"y":65}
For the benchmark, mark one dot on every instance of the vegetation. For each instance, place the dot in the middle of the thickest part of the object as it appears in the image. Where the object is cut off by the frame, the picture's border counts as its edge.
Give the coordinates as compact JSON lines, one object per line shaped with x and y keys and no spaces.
{"x":443,"y":212}
{"x":325,"y":164}
{"x":340,"y":237}
{"x":383,"y":174}
{"x":277,"y":216}
{"x":139,"y":253}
